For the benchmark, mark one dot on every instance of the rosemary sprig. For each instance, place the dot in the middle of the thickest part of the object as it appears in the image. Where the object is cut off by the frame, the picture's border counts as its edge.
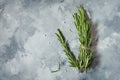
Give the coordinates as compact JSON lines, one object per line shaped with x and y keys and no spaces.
{"x":82,"y":23}
{"x":83,"y":26}
{"x":65,"y":45}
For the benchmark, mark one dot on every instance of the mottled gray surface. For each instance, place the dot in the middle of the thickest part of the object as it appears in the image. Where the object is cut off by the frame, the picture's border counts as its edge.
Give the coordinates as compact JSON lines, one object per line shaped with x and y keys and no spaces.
{"x":29,"y":49}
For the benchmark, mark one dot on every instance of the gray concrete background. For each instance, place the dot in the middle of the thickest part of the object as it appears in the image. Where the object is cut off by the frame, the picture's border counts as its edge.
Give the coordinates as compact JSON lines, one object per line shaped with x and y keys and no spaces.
{"x":29,"y":49}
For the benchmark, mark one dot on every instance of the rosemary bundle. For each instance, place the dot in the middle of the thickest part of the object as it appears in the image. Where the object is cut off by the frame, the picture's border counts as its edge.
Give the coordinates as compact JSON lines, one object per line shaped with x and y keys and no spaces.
{"x":83,"y":26}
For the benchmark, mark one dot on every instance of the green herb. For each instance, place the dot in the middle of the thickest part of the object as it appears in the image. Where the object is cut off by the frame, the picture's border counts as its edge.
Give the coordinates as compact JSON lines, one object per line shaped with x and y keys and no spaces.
{"x":83,"y":26}
{"x":57,"y":69}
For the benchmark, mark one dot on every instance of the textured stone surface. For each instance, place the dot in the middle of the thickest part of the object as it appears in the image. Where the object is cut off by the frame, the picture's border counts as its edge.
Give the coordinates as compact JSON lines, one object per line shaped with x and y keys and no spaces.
{"x":29,"y":49}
